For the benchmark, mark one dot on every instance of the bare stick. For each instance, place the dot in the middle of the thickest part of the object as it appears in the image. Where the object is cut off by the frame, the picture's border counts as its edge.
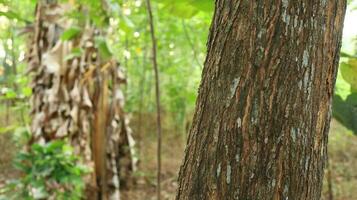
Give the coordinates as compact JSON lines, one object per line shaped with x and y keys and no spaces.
{"x":187,"y":35}
{"x":157,"y":89}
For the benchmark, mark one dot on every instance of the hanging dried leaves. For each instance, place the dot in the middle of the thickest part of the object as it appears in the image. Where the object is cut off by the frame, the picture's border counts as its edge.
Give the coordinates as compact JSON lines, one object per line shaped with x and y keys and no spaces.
{"x":77,"y":95}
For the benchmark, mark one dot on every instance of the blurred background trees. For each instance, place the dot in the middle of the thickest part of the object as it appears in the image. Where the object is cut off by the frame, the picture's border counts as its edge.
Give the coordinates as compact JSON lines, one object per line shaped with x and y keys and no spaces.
{"x":182,"y":32}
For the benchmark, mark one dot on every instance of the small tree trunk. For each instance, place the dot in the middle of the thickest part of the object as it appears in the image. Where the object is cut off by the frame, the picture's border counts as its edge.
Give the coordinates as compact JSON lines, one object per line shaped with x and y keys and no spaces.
{"x":78,"y":97}
{"x":263,"y":112}
{"x":157,"y":96}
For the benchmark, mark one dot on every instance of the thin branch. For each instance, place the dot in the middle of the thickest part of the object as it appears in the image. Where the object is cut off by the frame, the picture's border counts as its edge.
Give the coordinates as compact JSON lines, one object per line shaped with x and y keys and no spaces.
{"x":191,"y":44}
{"x":157,"y":89}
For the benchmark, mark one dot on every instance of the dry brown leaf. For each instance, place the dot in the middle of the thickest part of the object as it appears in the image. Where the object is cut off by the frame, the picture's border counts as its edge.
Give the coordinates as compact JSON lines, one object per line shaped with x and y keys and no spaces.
{"x":86,"y":99}
{"x":74,"y":113}
{"x":52,"y":60}
{"x":62,"y":131}
{"x":65,"y":97}
{"x":75,"y":93}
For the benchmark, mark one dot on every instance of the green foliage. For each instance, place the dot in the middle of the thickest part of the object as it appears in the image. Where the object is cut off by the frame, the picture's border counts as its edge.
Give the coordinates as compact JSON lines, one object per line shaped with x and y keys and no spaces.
{"x":204,"y":5}
{"x":181,"y":49}
{"x":70,"y":33}
{"x":349,"y":72}
{"x":345,"y":111}
{"x":103,"y":48}
{"x":345,"y":100}
{"x":11,"y":15}
{"x":76,"y":52}
{"x":181,"y":9}
{"x":97,"y":12}
{"x":187,"y":8}
{"x":50,"y":170}
{"x":181,"y":29}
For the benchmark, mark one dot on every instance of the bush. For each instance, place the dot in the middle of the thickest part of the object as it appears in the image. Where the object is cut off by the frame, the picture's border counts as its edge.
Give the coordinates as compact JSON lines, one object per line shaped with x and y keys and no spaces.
{"x":50,"y":171}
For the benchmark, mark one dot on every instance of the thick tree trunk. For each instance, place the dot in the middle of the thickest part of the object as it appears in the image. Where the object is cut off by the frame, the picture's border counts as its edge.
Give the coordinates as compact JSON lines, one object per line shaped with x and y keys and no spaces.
{"x":262,"y":116}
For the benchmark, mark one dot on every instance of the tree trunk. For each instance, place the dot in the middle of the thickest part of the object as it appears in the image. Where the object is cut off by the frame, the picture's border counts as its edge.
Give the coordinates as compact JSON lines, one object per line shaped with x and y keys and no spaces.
{"x":262,"y":116}
{"x":77,"y":96}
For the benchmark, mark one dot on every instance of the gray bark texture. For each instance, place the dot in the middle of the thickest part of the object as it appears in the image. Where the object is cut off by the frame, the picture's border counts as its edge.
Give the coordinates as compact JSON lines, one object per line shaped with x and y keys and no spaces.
{"x":262,"y":116}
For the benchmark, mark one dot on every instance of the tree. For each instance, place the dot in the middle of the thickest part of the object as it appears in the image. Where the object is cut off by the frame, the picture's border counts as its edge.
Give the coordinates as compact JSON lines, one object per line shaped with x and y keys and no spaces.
{"x":262,"y":116}
{"x":77,"y":95}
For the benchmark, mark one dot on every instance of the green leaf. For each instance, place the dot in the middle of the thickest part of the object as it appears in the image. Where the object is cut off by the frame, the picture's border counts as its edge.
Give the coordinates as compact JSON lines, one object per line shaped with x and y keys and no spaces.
{"x":345,"y":111}
{"x":187,"y":8}
{"x":11,"y":15}
{"x":343,"y":88}
{"x":67,"y":150}
{"x":54,"y":146}
{"x":70,"y":33}
{"x":181,"y":9}
{"x":21,"y":135}
{"x":128,"y":22}
{"x":346,"y":55}
{"x":349,"y":72}
{"x":7,"y":129}
{"x":76,"y":52}
{"x":203,"y":5}
{"x":103,"y":48}
{"x":26,"y":91}
{"x":37,"y":148}
{"x":10,"y":94}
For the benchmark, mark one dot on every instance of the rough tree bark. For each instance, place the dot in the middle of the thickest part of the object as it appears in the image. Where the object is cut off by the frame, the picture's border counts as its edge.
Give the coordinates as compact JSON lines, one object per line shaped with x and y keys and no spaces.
{"x":262,"y":116}
{"x":77,"y":97}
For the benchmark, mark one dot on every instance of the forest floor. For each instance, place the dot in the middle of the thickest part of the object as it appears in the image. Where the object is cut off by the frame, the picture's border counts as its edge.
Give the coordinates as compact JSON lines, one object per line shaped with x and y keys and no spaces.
{"x":342,"y":153}
{"x":342,"y":150}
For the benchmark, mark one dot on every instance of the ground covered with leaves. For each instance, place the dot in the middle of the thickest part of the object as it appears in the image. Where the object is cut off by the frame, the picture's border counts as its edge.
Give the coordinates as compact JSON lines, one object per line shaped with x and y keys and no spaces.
{"x":342,"y":153}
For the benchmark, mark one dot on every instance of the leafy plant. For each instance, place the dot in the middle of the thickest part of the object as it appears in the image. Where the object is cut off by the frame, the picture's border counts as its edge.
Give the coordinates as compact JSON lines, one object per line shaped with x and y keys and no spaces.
{"x":345,"y":99}
{"x":50,"y":171}
{"x":71,"y":33}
